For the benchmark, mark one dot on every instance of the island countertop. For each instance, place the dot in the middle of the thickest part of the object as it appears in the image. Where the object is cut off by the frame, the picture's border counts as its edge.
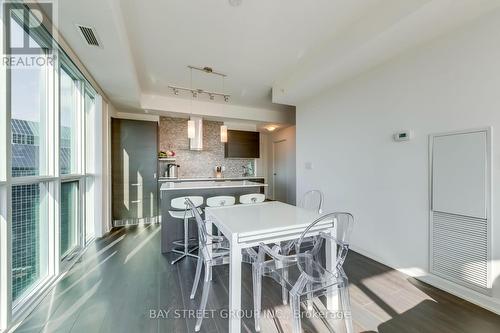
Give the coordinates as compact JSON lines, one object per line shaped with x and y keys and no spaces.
{"x":202,"y":179}
{"x":172,"y":186}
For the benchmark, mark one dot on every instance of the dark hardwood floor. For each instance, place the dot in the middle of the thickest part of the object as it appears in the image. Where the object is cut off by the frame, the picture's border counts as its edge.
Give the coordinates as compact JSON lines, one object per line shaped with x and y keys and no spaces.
{"x":123,"y":280}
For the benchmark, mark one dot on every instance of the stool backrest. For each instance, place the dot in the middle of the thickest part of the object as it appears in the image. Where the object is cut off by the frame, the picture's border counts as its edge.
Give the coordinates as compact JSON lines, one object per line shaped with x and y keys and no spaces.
{"x":252,"y":198}
{"x":180,"y":202}
{"x":221,"y":200}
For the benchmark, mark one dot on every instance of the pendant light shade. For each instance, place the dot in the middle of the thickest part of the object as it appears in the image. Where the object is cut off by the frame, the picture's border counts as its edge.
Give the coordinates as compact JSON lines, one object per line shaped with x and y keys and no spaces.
{"x":191,"y":129}
{"x":223,"y":133}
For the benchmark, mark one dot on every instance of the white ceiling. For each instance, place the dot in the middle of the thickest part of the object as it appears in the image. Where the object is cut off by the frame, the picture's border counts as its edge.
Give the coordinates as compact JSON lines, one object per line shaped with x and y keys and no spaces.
{"x":260,"y":43}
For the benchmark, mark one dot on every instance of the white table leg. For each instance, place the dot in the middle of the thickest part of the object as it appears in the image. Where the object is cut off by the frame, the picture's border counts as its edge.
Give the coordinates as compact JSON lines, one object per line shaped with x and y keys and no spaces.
{"x":332,"y":302}
{"x":235,"y":289}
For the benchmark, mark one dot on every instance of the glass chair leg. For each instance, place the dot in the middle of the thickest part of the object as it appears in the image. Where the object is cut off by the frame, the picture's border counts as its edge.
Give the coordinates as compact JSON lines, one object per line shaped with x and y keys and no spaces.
{"x":284,"y":291}
{"x":196,"y":277}
{"x":204,"y":298}
{"x":308,"y":288}
{"x":186,"y":235}
{"x":295,"y":306}
{"x":257,"y":295}
{"x":345,"y":303}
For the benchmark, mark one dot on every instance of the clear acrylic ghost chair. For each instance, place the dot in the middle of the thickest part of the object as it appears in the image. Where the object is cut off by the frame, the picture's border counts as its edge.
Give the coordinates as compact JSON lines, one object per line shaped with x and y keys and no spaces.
{"x":252,"y":198}
{"x":210,"y":254}
{"x":303,"y":275}
{"x":312,"y":200}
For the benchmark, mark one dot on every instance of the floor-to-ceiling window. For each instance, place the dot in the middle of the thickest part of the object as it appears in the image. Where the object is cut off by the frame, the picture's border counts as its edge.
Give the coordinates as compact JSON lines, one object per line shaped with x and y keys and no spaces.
{"x":30,"y":93}
{"x":46,"y":184}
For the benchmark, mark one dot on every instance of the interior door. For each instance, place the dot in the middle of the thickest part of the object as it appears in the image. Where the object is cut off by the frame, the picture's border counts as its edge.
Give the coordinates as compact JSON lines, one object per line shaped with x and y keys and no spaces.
{"x":280,"y":171}
{"x":134,"y":168}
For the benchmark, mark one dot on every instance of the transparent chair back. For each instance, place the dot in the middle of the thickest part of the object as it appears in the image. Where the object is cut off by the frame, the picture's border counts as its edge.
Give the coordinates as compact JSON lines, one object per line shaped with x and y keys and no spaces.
{"x":204,"y":238}
{"x":343,"y":224}
{"x":313,"y":201}
{"x":302,"y":274}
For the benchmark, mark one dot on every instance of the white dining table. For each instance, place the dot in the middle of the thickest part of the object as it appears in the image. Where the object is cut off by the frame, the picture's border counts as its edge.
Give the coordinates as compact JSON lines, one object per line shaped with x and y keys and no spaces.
{"x":246,"y":226}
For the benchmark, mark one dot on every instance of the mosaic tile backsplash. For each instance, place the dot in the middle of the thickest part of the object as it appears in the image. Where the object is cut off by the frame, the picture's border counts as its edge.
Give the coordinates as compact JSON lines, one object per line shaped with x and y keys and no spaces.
{"x":173,"y":136}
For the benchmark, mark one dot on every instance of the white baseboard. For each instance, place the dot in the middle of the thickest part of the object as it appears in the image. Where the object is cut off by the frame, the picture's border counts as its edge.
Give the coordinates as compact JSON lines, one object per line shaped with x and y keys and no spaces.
{"x":484,"y":301}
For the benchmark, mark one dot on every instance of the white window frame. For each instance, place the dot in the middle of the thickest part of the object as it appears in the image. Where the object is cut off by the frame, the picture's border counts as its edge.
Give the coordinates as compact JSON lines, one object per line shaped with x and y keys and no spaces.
{"x":50,"y":179}
{"x":89,"y":171}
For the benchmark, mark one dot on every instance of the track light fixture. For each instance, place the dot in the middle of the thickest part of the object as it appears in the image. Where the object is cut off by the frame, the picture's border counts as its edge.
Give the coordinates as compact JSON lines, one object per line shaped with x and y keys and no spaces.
{"x":195,"y":92}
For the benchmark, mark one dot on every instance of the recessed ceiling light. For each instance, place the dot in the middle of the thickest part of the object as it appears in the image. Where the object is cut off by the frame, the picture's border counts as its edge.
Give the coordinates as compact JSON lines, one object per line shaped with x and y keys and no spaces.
{"x":271,"y":128}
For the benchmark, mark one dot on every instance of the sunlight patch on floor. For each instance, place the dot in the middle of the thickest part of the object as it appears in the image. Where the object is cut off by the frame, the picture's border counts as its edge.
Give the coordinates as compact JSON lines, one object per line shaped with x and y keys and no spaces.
{"x":140,"y":246}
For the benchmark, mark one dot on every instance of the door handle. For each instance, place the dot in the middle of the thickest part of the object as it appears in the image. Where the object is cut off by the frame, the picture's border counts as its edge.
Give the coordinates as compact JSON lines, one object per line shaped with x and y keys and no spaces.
{"x":136,"y":184}
{"x":135,"y":201}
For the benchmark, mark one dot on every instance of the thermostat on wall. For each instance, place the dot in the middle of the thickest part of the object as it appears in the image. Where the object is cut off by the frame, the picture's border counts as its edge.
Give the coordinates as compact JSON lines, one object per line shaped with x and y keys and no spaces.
{"x":403,"y":136}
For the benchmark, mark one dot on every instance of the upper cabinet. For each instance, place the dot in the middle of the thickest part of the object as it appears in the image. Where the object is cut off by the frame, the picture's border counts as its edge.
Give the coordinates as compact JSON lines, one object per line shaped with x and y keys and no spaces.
{"x":242,"y":144}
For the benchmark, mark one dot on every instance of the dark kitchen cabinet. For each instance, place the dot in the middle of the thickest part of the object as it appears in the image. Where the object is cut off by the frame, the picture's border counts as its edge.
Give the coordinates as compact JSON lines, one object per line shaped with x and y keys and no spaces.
{"x":242,"y":144}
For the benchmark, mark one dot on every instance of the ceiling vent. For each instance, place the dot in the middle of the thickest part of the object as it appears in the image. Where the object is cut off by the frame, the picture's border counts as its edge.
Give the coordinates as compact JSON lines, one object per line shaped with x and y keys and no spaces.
{"x":89,"y":35}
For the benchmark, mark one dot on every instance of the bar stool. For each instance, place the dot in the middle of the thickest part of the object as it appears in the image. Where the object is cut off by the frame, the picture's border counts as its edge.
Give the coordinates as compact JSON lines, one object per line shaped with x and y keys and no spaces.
{"x":252,"y":198}
{"x":183,"y":212}
{"x":219,"y":201}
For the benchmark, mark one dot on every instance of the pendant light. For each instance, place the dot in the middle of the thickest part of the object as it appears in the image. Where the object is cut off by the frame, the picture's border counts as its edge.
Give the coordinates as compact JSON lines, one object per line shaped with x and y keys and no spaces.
{"x":191,"y":129}
{"x":223,"y":128}
{"x":191,"y":126}
{"x":223,"y":133}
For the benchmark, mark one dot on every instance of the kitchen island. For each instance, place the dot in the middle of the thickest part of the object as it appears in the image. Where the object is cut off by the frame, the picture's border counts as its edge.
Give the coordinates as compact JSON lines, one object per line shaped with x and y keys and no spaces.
{"x":172,"y":229}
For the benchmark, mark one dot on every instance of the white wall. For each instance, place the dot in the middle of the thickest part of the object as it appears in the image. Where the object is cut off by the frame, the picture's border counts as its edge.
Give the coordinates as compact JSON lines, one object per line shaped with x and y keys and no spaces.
{"x":287,"y":134}
{"x":450,"y":84}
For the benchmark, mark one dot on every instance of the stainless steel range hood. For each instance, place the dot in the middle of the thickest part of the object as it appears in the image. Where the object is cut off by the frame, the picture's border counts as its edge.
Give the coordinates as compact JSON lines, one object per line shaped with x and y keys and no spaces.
{"x":196,"y":143}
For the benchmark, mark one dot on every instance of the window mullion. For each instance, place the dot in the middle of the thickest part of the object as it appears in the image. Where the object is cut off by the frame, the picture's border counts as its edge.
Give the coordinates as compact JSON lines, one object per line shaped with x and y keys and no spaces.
{"x":80,"y":127}
{"x":56,"y":99}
